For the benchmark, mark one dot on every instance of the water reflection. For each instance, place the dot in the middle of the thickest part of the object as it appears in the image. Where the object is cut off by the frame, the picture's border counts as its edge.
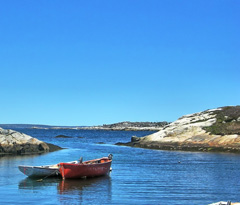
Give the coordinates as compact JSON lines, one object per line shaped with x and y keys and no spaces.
{"x":90,"y":189}
{"x":71,"y":185}
{"x":34,"y":184}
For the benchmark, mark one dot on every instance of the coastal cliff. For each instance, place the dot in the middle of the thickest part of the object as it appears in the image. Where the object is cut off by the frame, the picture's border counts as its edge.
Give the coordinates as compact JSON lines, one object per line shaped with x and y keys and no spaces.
{"x":210,"y":130}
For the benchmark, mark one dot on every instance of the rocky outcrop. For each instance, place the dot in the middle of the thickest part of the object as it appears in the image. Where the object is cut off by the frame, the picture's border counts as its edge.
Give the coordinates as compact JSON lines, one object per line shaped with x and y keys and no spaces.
{"x":12,"y":142}
{"x":53,"y":147}
{"x":210,"y":130}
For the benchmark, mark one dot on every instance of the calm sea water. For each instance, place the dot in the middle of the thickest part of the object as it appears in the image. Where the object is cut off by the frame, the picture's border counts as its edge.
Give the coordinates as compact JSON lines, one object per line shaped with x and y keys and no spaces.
{"x":139,"y":176}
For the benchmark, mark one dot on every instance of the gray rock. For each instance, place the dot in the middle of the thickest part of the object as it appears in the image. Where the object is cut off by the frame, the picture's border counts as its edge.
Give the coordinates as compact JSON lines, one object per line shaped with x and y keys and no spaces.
{"x":13,"y":142}
{"x":135,"y":139}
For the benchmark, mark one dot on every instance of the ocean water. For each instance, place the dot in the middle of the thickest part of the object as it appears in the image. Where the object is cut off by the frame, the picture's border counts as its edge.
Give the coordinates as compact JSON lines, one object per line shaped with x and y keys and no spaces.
{"x":139,"y":176}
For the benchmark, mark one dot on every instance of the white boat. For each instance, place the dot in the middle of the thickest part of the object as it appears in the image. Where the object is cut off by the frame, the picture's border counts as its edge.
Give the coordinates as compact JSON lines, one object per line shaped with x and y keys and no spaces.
{"x":41,"y":171}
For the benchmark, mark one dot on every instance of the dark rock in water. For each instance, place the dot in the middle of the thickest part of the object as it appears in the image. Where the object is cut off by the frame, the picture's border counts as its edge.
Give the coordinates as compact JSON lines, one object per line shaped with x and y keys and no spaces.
{"x":124,"y":144}
{"x":100,"y":143}
{"x":53,"y":147}
{"x":135,"y":139}
{"x":63,"y":136}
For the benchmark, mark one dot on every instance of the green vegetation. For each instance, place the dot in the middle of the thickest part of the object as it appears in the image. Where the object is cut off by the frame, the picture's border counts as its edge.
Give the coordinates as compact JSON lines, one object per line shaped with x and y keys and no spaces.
{"x":227,"y":123}
{"x":127,"y":124}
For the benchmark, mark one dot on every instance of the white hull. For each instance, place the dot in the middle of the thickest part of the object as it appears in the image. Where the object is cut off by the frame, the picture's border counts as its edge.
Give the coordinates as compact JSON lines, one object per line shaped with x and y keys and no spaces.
{"x":41,"y":171}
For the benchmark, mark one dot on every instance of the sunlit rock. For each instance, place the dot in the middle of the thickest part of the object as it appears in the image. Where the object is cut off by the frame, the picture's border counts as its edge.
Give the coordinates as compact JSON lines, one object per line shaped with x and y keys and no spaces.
{"x":210,"y":130}
{"x":12,"y":142}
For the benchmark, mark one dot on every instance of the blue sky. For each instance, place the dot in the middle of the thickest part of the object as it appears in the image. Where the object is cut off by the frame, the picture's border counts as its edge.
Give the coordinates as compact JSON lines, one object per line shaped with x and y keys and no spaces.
{"x":98,"y":62}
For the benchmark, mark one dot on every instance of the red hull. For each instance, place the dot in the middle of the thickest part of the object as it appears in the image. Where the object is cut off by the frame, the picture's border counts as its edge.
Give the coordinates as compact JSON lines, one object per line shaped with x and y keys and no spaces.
{"x":92,"y":168}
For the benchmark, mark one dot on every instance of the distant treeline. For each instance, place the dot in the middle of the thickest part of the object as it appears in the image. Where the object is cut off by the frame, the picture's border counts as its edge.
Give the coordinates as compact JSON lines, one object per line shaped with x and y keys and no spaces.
{"x":135,"y":124}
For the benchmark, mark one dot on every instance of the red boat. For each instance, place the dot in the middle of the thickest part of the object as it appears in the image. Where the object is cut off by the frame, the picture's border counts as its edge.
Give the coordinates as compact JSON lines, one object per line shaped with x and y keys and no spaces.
{"x":91,"y":168}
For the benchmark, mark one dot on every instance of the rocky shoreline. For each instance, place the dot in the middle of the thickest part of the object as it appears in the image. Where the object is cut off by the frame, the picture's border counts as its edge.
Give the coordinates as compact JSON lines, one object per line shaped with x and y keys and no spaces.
{"x":216,"y":130}
{"x":180,"y":147}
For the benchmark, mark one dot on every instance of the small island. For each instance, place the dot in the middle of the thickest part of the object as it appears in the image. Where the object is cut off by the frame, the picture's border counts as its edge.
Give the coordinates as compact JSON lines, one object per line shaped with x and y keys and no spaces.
{"x":135,"y":126}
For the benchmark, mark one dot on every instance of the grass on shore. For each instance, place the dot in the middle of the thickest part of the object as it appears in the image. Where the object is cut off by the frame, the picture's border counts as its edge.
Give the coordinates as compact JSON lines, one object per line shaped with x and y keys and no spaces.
{"x":228,"y":121}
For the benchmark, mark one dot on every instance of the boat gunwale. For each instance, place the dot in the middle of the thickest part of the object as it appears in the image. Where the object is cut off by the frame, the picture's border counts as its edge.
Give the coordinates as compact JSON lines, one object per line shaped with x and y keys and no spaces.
{"x":52,"y":166}
{"x":86,"y":163}
{"x":40,"y":167}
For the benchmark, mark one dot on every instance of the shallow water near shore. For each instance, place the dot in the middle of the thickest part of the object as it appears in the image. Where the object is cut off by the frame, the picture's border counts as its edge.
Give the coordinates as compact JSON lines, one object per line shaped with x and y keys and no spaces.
{"x":139,"y":176}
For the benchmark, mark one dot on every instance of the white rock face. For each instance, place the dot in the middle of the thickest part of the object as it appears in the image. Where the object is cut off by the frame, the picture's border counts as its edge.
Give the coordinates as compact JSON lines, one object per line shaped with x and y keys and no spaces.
{"x":12,"y":142}
{"x":185,"y":127}
{"x":189,"y":132}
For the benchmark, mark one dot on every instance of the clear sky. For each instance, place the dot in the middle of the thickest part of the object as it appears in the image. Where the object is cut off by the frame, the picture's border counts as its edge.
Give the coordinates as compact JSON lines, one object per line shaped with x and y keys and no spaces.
{"x":97,"y":62}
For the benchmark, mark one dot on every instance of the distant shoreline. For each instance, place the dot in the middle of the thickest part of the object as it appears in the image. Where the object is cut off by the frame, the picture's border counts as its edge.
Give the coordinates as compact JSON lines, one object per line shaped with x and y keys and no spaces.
{"x":121,"y":126}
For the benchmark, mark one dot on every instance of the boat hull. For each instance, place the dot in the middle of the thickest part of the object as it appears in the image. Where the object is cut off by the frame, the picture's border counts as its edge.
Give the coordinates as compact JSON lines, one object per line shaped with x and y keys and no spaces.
{"x":91,"y":168}
{"x":39,"y":171}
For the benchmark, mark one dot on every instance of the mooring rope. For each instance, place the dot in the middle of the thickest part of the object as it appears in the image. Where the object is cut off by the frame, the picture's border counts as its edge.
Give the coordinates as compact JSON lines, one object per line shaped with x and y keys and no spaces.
{"x":55,"y":172}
